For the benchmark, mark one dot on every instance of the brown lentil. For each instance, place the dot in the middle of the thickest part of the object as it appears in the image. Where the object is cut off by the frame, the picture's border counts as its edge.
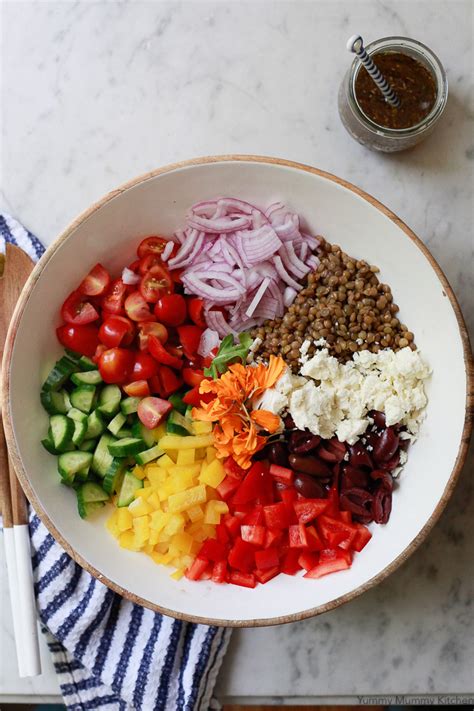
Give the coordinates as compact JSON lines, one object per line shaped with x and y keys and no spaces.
{"x":343,"y":302}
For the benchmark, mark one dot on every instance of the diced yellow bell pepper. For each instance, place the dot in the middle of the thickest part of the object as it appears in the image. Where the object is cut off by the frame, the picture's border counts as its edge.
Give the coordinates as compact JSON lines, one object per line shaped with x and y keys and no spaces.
{"x":156,"y":474}
{"x":153,"y":537}
{"x":165,"y":462}
{"x":185,"y":456}
{"x":190,"y":470}
{"x":127,"y":540}
{"x":183,"y":542}
{"x":201,"y":428}
{"x":195,"y":513}
{"x":212,"y":474}
{"x":161,"y":558}
{"x":195,"y":548}
{"x":178,"y":574}
{"x":154,"y":501}
{"x":124,"y":519}
{"x":191,"y":442}
{"x":140,"y":507}
{"x":185,"y":499}
{"x":144,"y":493}
{"x":158,"y":520}
{"x":210,"y":454}
{"x":201,"y":454}
{"x":112,"y":524}
{"x":175,"y":524}
{"x":139,"y":472}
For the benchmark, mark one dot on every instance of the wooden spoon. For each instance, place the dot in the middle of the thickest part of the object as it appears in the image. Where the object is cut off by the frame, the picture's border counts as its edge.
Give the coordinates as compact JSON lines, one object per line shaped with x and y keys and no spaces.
{"x":17,"y":267}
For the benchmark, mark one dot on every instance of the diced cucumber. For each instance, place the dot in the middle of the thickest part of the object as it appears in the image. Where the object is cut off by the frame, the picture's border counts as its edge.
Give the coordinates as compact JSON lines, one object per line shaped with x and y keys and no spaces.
{"x":86,"y":363}
{"x":179,"y":425}
{"x":95,"y":425}
{"x":117,"y":423}
{"x":176,"y":399}
{"x":61,"y":372}
{"x":86,"y":509}
{"x":55,"y":402}
{"x":113,"y":478}
{"x":70,"y":463}
{"x":130,"y":405}
{"x":88,"y":445}
{"x":189,"y":412}
{"x":80,"y":429}
{"x":126,"y":446}
{"x":130,"y":484}
{"x":124,"y":432}
{"x":83,"y":397}
{"x":141,"y":432}
{"x":83,"y":474}
{"x":75,"y":414}
{"x":72,"y":355}
{"x":60,"y":432}
{"x":48,"y":445}
{"x":149,"y":455}
{"x":90,"y":377}
{"x":102,"y":457}
{"x":92,"y":492}
{"x":109,"y":400}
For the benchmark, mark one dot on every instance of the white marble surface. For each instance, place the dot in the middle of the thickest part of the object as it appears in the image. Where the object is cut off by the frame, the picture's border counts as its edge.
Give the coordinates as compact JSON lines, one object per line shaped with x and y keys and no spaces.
{"x":95,"y":93}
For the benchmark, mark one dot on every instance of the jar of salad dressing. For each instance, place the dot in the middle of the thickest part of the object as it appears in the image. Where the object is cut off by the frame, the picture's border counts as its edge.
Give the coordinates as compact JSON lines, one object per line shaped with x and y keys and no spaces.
{"x":417,"y":77}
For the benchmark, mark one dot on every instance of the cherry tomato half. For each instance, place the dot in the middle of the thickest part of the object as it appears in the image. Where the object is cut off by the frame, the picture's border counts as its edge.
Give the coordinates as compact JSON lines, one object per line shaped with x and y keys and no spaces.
{"x":170,"y":309}
{"x":155,"y":283}
{"x":139,"y":388}
{"x":137,"y":308}
{"x":96,"y":282}
{"x":146,"y":263}
{"x":192,"y":376}
{"x":116,"y":365}
{"x":152,"y":410}
{"x":151,"y":245}
{"x":169,"y":380}
{"x":80,"y":339}
{"x":196,"y":311}
{"x":114,"y":298}
{"x":77,"y":310}
{"x":189,"y":336}
{"x":159,"y":352}
{"x":117,"y":331}
{"x":151,"y":328}
{"x":145,"y":367}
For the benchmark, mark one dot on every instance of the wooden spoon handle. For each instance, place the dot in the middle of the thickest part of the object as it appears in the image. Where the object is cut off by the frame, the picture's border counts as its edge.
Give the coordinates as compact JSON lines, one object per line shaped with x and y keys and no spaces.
{"x":5,"y":493}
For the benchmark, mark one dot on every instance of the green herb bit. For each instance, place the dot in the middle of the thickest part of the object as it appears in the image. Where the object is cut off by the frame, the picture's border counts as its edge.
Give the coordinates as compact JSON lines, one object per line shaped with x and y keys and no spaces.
{"x":228,"y":353}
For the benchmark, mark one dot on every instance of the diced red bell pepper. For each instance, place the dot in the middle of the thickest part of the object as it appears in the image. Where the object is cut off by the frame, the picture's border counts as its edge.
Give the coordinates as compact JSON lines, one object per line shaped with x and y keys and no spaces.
{"x":197,"y":569}
{"x":227,"y":487}
{"x":222,"y":533}
{"x":268,"y":558}
{"x":336,"y":532}
{"x":289,"y":564}
{"x":345,"y":516}
{"x":362,"y":537}
{"x":246,"y":580}
{"x":308,"y":509}
{"x":213,"y":550}
{"x":308,"y":560}
{"x":314,"y":541}
{"x":276,"y":515}
{"x":219,"y":572}
{"x":160,"y":354}
{"x":272,"y":536}
{"x":329,"y":554}
{"x":170,"y":381}
{"x":282,"y":474}
{"x":232,"y":523}
{"x":263,"y":576}
{"x":155,"y":386}
{"x":255,"y":516}
{"x":189,"y":337}
{"x":253,"y":486}
{"x":329,"y":567}
{"x":297,"y":536}
{"x":333,"y":503}
{"x":241,"y":555}
{"x":207,"y":573}
{"x":289,"y":496}
{"x":253,"y":534}
{"x":232,"y":468}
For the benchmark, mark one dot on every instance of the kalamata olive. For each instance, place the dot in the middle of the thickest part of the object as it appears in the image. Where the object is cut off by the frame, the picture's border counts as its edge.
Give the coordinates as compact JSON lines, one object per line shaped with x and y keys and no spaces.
{"x":383,"y":478}
{"x":359,"y":457}
{"x":309,"y":465}
{"x":301,"y":442}
{"x":381,"y":505}
{"x":337,"y":448}
{"x":386,"y":445}
{"x":391,"y":463}
{"x":289,"y":423}
{"x":357,"y":501}
{"x":378,"y":418}
{"x":353,"y":477}
{"x":326,"y":455}
{"x":277,"y":453}
{"x":309,"y":487}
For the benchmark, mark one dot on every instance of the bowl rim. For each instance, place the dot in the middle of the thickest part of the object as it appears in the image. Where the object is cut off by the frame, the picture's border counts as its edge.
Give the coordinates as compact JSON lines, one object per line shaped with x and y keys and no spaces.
{"x":23,"y":476}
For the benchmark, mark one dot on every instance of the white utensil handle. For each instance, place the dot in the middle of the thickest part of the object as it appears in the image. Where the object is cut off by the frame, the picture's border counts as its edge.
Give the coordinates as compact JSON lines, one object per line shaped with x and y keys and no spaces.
{"x":9,"y":542}
{"x":29,"y":645}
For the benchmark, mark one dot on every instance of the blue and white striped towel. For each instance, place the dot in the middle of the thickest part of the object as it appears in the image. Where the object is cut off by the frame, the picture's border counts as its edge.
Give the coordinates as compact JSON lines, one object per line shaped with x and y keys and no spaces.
{"x":110,"y":654}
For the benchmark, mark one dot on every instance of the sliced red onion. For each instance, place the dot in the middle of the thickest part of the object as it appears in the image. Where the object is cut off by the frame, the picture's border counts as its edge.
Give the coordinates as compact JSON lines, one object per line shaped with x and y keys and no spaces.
{"x":177,"y":263}
{"x":186,"y":249}
{"x":209,"y":341}
{"x":206,"y":208}
{"x":312,"y":262}
{"x":258,"y":297}
{"x":284,"y":274}
{"x":129,"y":277}
{"x":222,"y":224}
{"x":289,"y":296}
{"x":212,"y":294}
{"x":166,"y":253}
{"x":303,"y":251}
{"x":259,"y":245}
{"x":217,"y":321}
{"x":291,"y":261}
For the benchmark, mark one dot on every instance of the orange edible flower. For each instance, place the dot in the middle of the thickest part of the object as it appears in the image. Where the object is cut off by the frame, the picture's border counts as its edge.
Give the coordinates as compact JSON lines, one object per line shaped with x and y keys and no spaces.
{"x":237,"y":430}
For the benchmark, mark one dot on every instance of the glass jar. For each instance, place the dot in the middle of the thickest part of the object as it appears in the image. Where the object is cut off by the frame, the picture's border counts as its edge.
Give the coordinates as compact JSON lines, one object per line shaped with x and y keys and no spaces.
{"x":381,"y":138}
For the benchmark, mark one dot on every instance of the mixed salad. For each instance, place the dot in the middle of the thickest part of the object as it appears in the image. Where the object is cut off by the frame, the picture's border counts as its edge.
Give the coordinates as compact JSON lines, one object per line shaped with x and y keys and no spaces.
{"x":243,"y":395}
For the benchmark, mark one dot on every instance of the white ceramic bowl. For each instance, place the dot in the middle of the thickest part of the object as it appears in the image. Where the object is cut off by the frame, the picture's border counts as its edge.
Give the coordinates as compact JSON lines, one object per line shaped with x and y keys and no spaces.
{"x":156,"y":203}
